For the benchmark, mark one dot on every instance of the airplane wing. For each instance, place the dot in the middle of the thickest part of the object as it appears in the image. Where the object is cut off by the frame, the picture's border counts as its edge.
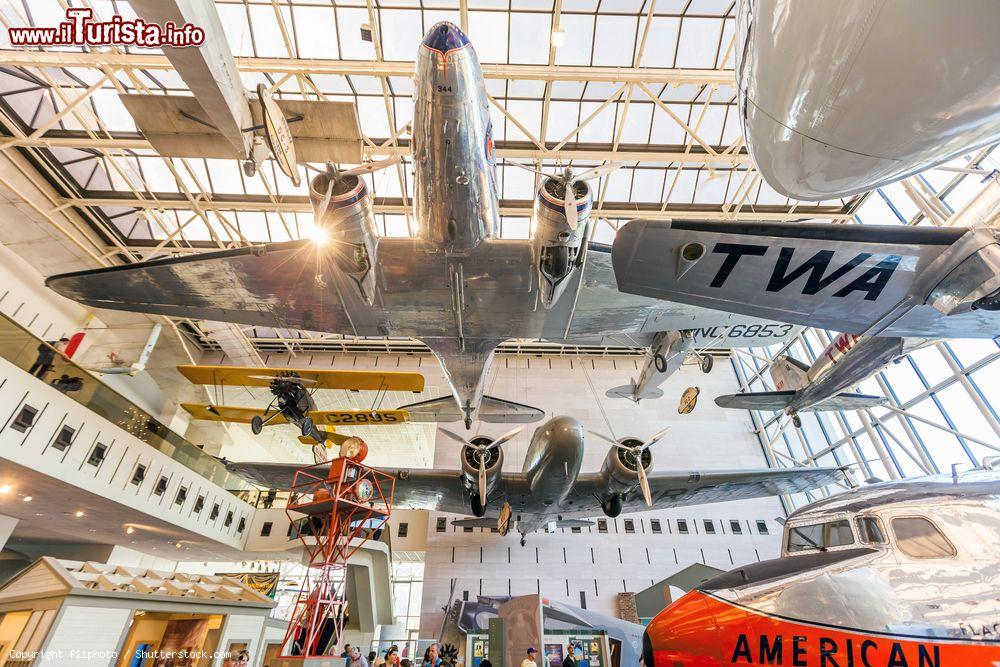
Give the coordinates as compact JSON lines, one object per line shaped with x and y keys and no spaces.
{"x":311,"y":379}
{"x":439,"y":490}
{"x":284,"y":285}
{"x":674,"y":489}
{"x":852,"y":278}
{"x":779,"y":400}
{"x":238,"y":415}
{"x":492,"y":410}
{"x":601,"y":313}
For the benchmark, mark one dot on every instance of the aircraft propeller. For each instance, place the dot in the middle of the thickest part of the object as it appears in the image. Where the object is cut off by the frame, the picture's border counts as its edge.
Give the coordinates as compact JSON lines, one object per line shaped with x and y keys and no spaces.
{"x":568,"y":179}
{"x":334,"y":175}
{"x":637,"y":456}
{"x":482,"y":454}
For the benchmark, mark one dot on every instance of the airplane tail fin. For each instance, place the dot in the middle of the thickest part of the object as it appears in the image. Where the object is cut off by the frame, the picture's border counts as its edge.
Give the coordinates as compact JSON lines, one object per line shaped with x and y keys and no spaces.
{"x":779,"y":400}
{"x":491,"y":410}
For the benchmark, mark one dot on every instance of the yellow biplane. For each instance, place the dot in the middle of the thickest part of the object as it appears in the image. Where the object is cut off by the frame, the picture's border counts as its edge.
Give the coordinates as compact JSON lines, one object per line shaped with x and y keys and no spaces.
{"x":293,"y":402}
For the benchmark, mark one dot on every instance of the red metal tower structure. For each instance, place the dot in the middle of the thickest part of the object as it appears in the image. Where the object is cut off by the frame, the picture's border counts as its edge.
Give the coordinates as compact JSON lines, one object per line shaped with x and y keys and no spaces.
{"x":345,"y":503}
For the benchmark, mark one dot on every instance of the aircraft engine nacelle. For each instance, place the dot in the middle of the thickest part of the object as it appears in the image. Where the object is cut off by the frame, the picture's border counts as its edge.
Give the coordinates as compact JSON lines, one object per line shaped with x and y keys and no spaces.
{"x":972,"y":285}
{"x":470,"y":465}
{"x":619,"y":471}
{"x":349,"y":225}
{"x":560,"y":246}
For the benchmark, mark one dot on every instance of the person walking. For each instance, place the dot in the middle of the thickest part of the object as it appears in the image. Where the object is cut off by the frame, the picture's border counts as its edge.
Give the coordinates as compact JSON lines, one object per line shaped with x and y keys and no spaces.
{"x":529,"y":659}
{"x":432,"y":658}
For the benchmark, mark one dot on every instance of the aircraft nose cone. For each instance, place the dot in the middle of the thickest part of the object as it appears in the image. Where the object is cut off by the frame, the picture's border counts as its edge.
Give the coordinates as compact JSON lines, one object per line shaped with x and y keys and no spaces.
{"x":445,"y":37}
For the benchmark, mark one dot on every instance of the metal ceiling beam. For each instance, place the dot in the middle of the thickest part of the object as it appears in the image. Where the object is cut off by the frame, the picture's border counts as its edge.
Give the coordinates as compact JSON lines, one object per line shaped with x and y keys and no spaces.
{"x":303,"y":66}
{"x":513,"y":208}
{"x":504,"y":149}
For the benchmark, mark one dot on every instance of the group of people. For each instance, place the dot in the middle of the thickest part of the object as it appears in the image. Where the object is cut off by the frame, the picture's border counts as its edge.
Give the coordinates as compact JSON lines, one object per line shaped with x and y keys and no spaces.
{"x":432,"y":658}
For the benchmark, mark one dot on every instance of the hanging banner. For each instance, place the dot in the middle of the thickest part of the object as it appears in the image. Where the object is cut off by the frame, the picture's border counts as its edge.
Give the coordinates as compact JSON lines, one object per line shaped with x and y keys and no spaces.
{"x":265,"y":583}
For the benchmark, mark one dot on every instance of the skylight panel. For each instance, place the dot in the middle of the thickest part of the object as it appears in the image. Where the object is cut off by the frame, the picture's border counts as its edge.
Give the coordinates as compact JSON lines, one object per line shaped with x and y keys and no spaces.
{"x":579,"y":6}
{"x":728,"y":30}
{"x":767,"y":195}
{"x":529,"y":114}
{"x":601,"y":90}
{"x":488,"y":32}
{"x":665,"y":129}
{"x":661,"y":43}
{"x":622,"y":6}
{"x":563,"y":117}
{"x":395,"y":226}
{"x":571,"y":90}
{"x":331,"y":84}
{"x":366,"y":85}
{"x":282,"y":227}
{"x":619,"y":183}
{"x":225,"y":176}
{"x":157,"y":176}
{"x":719,"y":7}
{"x":316,"y":32}
{"x":111,"y":111}
{"x":526,"y":88}
{"x":531,"y":38}
{"x":604,"y":232}
{"x":488,"y":4}
{"x":711,"y":187}
{"x":699,"y":42}
{"x":637,"y":122}
{"x":711,"y":121}
{"x":601,"y":128}
{"x":683,"y":186}
{"x":579,"y":40}
{"x":401,"y":33}
{"x":371,"y":113}
{"x":515,"y":228}
{"x":401,"y":85}
{"x":267,"y":33}
{"x":517,"y":183}
{"x":236,"y":25}
{"x":647,"y":185}
{"x":349,"y":22}
{"x":545,"y":5}
{"x":442,"y":12}
{"x":499,"y":122}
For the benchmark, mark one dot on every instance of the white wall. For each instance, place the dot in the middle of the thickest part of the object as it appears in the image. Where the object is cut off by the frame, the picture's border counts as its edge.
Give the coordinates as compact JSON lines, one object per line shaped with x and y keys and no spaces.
{"x":243,"y":629}
{"x":79,"y":630}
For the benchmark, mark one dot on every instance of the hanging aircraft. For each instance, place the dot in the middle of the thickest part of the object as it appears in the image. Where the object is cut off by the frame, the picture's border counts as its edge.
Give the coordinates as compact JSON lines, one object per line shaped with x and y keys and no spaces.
{"x":900,"y":574}
{"x":866,"y":280}
{"x":454,"y":284}
{"x":293,"y":401}
{"x":846,"y":361}
{"x":550,"y":490}
{"x":832,"y":105}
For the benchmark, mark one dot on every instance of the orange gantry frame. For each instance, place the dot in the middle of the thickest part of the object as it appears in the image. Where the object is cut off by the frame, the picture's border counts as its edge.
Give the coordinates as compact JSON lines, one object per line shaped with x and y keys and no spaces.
{"x":345,"y":505}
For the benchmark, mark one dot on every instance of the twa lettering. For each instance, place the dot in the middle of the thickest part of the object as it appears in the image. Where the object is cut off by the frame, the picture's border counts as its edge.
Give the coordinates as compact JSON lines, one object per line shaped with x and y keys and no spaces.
{"x":809,"y":651}
{"x":871,"y":281}
{"x":79,"y":29}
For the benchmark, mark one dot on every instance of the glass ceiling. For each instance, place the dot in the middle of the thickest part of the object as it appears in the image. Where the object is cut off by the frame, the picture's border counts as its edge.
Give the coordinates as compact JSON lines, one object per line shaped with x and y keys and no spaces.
{"x":944,"y":399}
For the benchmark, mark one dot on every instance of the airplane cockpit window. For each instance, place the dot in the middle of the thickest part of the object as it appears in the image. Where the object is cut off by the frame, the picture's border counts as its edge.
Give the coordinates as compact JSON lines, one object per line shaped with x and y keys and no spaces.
{"x":870,"y":530}
{"x":820,"y":536}
{"x":917,"y":537}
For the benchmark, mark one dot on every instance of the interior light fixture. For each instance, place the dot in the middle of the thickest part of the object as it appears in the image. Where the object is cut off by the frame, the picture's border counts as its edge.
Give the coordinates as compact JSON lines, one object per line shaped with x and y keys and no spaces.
{"x":129,"y":530}
{"x":27,"y":499}
{"x":558,"y":37}
{"x":79,"y":513}
{"x":4,"y":488}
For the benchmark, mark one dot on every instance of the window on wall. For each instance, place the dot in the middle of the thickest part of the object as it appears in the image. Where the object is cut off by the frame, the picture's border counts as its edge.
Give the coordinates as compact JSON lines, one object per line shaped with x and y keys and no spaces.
{"x":403,"y":530}
{"x":139,"y":475}
{"x":64,"y":439}
{"x":199,"y":504}
{"x":97,"y":456}
{"x":161,"y":486}
{"x":682,"y":526}
{"x":654,"y":526}
{"x":735,"y":528}
{"x":229,"y":519}
{"x":762,"y":527}
{"x":441,"y":524}
{"x":214,"y":514}
{"x":24,"y":419}
{"x":265,"y":530}
{"x":709,"y":527}
{"x":182,"y":494}
{"x":602,"y":525}
{"x":629,"y":526}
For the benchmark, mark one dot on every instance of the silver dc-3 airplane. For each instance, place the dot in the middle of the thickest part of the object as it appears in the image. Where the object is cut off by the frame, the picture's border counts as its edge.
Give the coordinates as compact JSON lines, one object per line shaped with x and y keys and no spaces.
{"x":453,"y":285}
{"x":846,"y":361}
{"x":892,"y":574}
{"x":551,"y":490}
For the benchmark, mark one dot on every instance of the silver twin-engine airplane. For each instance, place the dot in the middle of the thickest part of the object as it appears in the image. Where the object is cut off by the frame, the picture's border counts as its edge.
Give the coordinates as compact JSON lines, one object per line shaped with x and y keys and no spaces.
{"x":453,"y":284}
{"x":551,"y":490}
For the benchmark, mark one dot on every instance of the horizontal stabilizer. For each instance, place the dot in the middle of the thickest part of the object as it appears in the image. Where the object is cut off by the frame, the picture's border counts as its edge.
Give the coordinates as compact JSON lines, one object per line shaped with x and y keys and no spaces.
{"x":762,"y":400}
{"x":628,"y":391}
{"x":849,"y":401}
{"x":491,"y":410}
{"x":177,"y":126}
{"x":495,"y":410}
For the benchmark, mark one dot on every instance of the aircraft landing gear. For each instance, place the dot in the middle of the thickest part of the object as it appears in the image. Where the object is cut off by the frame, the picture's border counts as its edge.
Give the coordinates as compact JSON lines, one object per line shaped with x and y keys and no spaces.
{"x":612,"y":507}
{"x":706,"y":362}
{"x":478,"y":509}
{"x":256,"y":424}
{"x":660,"y":362}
